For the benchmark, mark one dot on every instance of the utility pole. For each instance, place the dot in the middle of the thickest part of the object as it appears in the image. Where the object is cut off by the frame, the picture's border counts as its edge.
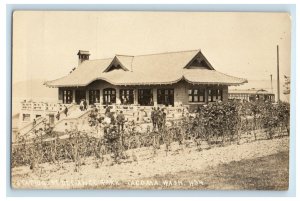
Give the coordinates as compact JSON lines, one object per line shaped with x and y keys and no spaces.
{"x":278,"y":79}
{"x":271,"y":83}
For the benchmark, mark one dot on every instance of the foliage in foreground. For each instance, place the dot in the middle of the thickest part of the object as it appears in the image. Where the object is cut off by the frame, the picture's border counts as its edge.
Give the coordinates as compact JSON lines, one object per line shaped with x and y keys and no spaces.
{"x":216,"y":124}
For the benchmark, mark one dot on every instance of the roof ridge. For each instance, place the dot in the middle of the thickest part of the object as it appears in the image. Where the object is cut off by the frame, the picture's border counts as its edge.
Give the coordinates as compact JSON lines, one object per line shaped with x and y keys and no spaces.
{"x":144,"y":54}
{"x":124,"y":55}
{"x":168,"y":52}
{"x":100,"y":59}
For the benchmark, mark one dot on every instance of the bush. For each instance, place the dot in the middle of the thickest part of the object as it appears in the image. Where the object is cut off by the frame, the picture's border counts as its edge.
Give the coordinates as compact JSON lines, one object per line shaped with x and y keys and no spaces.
{"x":216,"y":123}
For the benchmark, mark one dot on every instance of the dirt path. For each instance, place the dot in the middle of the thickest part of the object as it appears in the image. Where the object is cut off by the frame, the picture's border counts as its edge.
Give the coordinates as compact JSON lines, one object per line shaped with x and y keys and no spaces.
{"x":146,"y":165}
{"x":264,"y":173}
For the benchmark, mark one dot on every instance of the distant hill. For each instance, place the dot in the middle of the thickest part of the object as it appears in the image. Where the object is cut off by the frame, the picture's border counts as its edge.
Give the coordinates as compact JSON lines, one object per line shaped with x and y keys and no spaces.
{"x":33,"y":90}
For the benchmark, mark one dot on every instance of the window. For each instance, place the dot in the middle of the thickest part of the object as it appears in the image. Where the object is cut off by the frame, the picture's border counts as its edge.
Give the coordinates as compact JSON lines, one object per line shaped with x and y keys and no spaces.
{"x":94,"y":96}
{"x":145,"y":97}
{"x":165,"y":96}
{"x":199,"y":63}
{"x":109,"y":96}
{"x":67,"y":96}
{"x":215,"y":95}
{"x":196,"y":95}
{"x":114,"y":67}
{"x":79,"y":95}
{"x":127,"y":96}
{"x":26,"y":117}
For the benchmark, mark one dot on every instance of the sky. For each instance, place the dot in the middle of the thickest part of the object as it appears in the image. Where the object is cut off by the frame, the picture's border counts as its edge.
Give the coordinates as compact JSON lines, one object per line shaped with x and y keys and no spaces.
{"x":45,"y":43}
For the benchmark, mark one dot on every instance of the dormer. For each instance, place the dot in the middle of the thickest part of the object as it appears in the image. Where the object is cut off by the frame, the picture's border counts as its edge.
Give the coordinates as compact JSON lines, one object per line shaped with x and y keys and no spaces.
{"x":199,"y":62}
{"x":116,"y":64}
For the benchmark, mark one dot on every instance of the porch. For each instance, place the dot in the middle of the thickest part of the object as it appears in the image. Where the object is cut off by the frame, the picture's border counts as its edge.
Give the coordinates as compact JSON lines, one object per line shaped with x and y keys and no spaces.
{"x":177,"y":94}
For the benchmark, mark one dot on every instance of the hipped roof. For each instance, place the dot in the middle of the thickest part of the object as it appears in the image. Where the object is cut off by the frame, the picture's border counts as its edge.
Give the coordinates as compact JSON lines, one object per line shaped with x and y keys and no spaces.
{"x":163,"y":68}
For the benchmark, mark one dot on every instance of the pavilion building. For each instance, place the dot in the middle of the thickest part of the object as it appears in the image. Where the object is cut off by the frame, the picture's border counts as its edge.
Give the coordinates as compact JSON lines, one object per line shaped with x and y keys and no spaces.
{"x":171,"y":79}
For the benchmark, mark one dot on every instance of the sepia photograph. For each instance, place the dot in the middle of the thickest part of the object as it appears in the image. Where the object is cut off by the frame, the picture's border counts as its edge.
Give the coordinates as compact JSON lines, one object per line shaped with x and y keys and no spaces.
{"x":150,"y":100}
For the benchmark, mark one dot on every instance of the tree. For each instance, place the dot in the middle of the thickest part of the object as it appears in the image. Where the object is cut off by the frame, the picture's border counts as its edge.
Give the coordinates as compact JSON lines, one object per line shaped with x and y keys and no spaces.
{"x":287,"y":83}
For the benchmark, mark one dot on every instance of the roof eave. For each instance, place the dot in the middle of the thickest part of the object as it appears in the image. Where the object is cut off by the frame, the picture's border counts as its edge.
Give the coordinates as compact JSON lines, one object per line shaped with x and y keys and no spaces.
{"x":151,"y":83}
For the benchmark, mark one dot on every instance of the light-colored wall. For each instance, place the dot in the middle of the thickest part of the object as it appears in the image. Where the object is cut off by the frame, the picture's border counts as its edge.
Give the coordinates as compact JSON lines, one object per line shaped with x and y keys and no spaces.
{"x":181,"y":93}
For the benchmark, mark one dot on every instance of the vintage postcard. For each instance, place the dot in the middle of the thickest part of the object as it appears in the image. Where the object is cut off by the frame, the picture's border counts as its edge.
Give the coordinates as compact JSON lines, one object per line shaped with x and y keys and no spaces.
{"x":150,"y":100}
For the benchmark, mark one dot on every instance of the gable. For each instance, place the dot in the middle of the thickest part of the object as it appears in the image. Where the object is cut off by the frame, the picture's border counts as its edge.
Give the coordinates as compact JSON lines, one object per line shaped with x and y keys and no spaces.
{"x":115,"y":65}
{"x":199,"y":62}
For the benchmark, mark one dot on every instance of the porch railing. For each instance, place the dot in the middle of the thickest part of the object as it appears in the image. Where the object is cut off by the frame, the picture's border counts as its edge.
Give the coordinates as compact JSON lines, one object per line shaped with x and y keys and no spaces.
{"x":43,"y":106}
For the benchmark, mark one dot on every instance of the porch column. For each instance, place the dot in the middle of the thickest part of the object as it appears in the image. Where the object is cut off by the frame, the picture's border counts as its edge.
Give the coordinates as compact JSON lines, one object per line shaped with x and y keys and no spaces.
{"x":87,"y":96}
{"x":135,"y":96}
{"x":60,"y":94}
{"x":206,"y":94}
{"x":155,"y":96}
{"x":225,"y":94}
{"x":101,"y":97}
{"x":118,"y":101}
{"x":73,"y":96}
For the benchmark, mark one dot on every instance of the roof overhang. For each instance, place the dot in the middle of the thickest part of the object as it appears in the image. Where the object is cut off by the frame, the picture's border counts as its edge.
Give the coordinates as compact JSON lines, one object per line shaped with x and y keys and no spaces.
{"x":151,"y":83}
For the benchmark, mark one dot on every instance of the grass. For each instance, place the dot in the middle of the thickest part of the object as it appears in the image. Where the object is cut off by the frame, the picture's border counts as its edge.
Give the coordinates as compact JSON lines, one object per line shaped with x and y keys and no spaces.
{"x":264,"y":173}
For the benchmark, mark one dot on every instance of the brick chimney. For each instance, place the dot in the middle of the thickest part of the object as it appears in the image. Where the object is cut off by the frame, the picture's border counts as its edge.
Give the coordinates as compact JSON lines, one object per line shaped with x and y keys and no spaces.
{"x":82,"y":56}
